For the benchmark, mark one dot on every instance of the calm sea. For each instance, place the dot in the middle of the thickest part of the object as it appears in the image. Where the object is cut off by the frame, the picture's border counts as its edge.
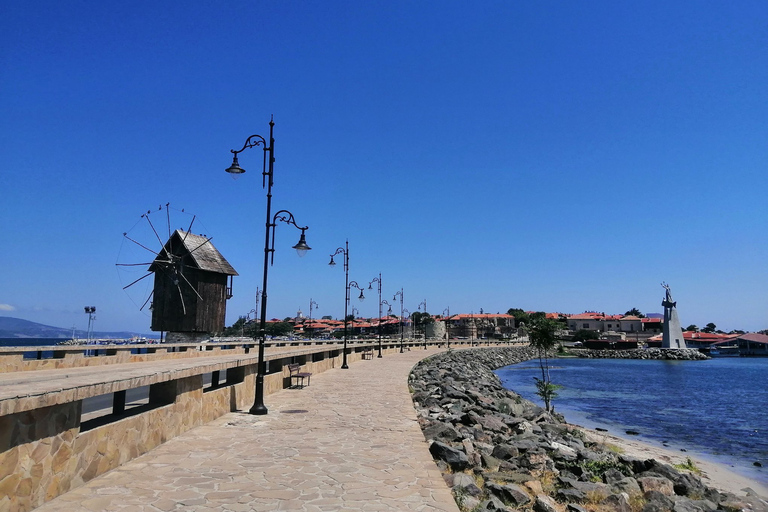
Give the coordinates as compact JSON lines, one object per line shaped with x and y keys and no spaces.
{"x":716,"y":408}
{"x":30,"y":342}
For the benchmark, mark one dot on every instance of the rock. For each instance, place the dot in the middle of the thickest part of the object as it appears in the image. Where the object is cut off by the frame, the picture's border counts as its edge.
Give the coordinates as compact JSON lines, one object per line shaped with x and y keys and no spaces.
{"x":563,"y":451}
{"x":570,"y":495}
{"x":491,"y":505}
{"x":656,"y":502}
{"x":618,"y":502}
{"x":456,"y":459}
{"x":544,"y":503}
{"x":509,"y":493}
{"x":518,"y":478}
{"x":656,"y":483}
{"x":463,"y":483}
{"x":613,"y":475}
{"x":505,"y":451}
{"x":688,"y":484}
{"x":490,"y":462}
{"x":572,"y":507}
{"x":626,"y":485}
{"x":441,"y":431}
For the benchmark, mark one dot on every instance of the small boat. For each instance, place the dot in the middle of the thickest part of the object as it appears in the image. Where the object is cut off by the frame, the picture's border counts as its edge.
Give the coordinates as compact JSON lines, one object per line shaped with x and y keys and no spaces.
{"x":725,"y":351}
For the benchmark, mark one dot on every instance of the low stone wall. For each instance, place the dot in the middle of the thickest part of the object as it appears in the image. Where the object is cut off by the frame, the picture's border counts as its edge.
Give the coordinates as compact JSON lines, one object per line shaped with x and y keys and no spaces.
{"x":670,"y":354}
{"x":501,"y":452}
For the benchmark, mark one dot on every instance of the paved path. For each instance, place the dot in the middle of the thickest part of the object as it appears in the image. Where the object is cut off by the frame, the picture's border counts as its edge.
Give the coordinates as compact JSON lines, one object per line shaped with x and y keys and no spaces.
{"x":350,"y":441}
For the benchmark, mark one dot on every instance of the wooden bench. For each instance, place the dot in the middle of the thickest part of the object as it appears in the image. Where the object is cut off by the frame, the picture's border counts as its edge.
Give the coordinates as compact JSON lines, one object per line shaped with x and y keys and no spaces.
{"x":296,"y":373}
{"x":368,"y":353}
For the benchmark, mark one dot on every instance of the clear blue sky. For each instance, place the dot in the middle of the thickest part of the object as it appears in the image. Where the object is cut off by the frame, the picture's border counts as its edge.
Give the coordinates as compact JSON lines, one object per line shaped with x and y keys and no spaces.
{"x":557,"y":156}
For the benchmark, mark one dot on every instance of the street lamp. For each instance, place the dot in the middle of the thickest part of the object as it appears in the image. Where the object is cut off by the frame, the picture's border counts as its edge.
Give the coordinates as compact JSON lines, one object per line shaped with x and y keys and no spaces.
{"x":424,"y":303}
{"x":400,"y":293}
{"x":90,"y":311}
{"x":389,"y":312}
{"x":347,"y":285}
{"x":447,"y":315}
{"x":370,"y":287}
{"x":311,"y":303}
{"x":301,"y":247}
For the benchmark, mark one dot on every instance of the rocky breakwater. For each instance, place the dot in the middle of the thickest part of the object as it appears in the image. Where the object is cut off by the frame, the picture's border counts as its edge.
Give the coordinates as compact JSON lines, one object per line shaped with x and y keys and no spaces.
{"x":500,"y":452}
{"x":675,"y":354}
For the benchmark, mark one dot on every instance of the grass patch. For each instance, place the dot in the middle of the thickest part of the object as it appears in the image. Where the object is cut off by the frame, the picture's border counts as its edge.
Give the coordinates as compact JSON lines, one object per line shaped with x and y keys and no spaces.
{"x":688,"y":465}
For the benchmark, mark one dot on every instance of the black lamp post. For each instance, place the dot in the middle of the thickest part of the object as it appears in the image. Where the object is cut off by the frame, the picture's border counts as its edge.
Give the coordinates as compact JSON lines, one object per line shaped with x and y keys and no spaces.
{"x":347,"y":285}
{"x":283,"y":216}
{"x":311,"y":303}
{"x":424,"y":303}
{"x":447,"y":314}
{"x":400,"y":293}
{"x":389,"y":312}
{"x":370,"y":287}
{"x":405,"y":311}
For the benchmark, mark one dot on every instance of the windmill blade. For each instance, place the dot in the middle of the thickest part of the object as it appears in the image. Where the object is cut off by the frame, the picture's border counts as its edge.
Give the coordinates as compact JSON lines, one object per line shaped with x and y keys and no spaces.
{"x":181,"y":296}
{"x":135,"y":264}
{"x":140,"y":245}
{"x":168,"y":220}
{"x":190,"y":285}
{"x":158,"y":236}
{"x":202,"y":244}
{"x":136,"y":281}
{"x":147,"y":301}
{"x":189,"y":229}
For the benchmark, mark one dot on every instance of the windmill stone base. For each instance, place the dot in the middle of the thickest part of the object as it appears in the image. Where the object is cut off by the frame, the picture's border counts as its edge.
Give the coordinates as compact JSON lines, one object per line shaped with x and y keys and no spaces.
{"x":187,"y":337}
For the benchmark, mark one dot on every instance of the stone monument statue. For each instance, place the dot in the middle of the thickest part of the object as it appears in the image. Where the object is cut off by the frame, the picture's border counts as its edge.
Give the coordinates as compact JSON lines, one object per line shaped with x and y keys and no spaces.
{"x":672,"y":336}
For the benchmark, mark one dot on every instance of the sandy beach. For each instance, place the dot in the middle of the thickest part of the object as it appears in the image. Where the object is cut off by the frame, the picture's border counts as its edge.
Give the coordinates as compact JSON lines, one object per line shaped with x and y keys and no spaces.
{"x":713,"y":474}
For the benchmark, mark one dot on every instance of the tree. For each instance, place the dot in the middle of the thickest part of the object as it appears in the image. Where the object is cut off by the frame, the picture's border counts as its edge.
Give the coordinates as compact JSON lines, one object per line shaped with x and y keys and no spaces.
{"x":634,"y":312}
{"x":520,"y":316}
{"x":278,"y":328}
{"x":692,"y":327}
{"x":586,"y":334}
{"x":542,"y":336}
{"x":419,"y":318}
{"x":709,"y":328}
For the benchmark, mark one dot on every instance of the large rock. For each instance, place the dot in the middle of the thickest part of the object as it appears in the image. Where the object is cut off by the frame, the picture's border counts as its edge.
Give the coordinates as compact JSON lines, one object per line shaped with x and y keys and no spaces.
{"x":509,"y":493}
{"x":456,"y":459}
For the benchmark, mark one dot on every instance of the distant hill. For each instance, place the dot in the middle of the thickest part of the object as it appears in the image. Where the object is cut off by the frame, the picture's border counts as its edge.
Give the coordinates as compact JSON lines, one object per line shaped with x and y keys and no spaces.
{"x":17,"y":328}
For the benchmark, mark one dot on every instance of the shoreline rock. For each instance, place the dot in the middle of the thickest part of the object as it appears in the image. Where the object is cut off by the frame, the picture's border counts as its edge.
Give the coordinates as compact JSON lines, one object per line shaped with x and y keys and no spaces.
{"x":667,"y":354}
{"x":498,"y":451}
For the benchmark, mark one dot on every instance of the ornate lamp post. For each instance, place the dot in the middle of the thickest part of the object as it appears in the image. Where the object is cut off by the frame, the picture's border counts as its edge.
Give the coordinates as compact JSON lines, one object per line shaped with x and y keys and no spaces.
{"x":311,"y":303}
{"x":447,"y":315}
{"x":370,"y":287}
{"x":389,"y":312}
{"x":271,"y":222}
{"x":347,"y":285}
{"x":400,"y":293}
{"x":424,"y":303}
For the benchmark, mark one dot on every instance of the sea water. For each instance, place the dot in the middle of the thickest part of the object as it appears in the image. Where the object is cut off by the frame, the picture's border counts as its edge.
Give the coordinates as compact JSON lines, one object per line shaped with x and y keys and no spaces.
{"x":717,"y":408}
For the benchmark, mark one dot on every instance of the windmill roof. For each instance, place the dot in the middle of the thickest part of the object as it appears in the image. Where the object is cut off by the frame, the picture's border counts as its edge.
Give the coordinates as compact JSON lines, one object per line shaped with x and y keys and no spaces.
{"x":202,"y":251}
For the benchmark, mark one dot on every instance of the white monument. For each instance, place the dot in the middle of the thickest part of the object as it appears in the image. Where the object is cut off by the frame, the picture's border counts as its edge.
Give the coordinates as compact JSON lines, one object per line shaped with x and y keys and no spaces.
{"x":672,"y":336}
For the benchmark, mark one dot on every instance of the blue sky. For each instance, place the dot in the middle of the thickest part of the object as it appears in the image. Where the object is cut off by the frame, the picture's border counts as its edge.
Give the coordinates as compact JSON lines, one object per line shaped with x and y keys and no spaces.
{"x":557,"y":156}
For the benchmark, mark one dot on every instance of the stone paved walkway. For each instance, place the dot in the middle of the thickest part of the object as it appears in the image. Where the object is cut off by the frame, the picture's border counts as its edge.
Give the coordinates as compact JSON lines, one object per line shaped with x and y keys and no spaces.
{"x":349,"y":441}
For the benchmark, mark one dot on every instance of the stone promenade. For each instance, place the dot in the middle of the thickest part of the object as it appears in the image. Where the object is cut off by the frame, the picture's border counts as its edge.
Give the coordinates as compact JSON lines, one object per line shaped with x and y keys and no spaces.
{"x":349,"y":441}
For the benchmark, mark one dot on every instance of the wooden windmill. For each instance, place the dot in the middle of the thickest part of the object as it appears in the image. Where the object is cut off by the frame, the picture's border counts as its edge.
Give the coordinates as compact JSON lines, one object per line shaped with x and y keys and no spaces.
{"x":192,"y":282}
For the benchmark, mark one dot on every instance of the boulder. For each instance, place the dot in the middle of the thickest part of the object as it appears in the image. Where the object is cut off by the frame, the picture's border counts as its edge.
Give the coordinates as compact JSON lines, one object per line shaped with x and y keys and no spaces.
{"x":456,"y":459}
{"x":544,"y":503}
{"x":656,"y":483}
{"x":509,"y":493}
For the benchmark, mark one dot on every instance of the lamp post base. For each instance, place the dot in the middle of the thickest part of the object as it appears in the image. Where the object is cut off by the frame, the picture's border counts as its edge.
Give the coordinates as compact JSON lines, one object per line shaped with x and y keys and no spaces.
{"x":259,"y":410}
